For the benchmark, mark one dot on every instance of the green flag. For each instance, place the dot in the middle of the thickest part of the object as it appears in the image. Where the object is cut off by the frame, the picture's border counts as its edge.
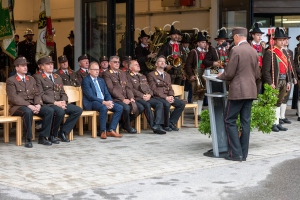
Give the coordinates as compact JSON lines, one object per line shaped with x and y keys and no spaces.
{"x":9,"y":47}
{"x":6,"y":27}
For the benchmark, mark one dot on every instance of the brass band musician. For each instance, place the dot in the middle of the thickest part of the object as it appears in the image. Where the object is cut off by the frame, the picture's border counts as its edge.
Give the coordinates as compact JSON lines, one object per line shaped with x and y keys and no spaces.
{"x":194,"y":69}
{"x":173,"y":51}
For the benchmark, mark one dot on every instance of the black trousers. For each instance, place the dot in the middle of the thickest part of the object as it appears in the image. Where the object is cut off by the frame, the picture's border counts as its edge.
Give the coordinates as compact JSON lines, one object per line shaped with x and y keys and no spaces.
{"x":26,"y":113}
{"x":74,"y":113}
{"x":238,"y":146}
{"x":158,"y":111}
{"x":126,"y":116}
{"x":179,"y":107}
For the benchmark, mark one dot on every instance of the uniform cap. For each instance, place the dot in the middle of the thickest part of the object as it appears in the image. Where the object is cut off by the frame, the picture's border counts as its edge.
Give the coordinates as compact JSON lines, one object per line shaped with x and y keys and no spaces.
{"x":62,"y":59}
{"x":127,"y":58}
{"x":103,"y":58}
{"x":45,"y":60}
{"x":84,"y":56}
{"x":20,"y":61}
{"x":239,"y":30}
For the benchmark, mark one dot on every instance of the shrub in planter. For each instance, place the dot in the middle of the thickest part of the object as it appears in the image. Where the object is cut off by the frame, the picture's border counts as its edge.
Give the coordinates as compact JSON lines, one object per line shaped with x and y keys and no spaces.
{"x":262,"y":113}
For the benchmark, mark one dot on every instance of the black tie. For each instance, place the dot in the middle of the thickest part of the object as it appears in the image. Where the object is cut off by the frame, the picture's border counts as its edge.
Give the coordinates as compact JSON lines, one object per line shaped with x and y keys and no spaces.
{"x":66,"y":73}
{"x":162,"y":75}
{"x":23,"y":79}
{"x":51,"y":78}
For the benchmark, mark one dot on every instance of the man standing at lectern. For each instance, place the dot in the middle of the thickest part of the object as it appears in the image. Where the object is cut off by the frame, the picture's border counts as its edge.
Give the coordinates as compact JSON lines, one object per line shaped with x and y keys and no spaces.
{"x":242,"y":72}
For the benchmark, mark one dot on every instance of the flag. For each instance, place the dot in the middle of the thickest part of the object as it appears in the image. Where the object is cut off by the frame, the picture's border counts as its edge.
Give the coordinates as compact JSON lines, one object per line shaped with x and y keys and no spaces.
{"x":7,"y":28}
{"x":9,"y":47}
{"x":45,"y":41}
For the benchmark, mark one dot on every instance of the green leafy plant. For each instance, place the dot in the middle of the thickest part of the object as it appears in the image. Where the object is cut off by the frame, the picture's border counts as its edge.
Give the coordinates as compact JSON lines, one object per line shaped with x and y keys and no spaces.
{"x":262,"y":113}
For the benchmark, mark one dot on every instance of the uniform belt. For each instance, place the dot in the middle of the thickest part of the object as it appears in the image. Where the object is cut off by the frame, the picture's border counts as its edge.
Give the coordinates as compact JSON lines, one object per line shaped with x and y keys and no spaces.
{"x":282,"y":76}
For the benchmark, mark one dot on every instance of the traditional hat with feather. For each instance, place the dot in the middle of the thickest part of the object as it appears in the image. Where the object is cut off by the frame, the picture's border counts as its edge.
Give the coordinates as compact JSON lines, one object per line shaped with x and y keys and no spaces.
{"x":221,"y":34}
{"x":280,"y":33}
{"x":185,"y":38}
{"x":255,"y":28}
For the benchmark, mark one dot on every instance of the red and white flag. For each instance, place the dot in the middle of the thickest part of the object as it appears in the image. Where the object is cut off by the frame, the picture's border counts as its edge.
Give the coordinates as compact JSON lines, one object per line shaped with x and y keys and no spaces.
{"x":45,"y":41}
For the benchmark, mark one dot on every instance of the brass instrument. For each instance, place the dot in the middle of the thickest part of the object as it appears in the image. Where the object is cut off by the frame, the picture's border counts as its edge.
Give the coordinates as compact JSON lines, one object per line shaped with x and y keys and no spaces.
{"x":199,"y":86}
{"x":175,"y":62}
{"x":158,"y":40}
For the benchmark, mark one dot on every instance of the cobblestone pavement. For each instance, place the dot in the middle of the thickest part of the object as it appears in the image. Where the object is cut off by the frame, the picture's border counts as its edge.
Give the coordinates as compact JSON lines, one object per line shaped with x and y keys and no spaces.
{"x":47,"y":171}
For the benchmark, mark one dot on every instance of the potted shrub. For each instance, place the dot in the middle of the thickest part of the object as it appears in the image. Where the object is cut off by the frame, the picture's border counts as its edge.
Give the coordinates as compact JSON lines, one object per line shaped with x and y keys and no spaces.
{"x":262,"y":116}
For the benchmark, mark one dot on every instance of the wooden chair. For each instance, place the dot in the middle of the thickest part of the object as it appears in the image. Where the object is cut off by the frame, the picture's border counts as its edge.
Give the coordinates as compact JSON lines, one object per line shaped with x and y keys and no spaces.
{"x":179,"y":91}
{"x":75,"y":96}
{"x":6,"y":119}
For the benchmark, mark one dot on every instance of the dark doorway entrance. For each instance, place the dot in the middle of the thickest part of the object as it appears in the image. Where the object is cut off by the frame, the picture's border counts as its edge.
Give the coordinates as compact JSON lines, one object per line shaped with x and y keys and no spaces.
{"x":108,"y":28}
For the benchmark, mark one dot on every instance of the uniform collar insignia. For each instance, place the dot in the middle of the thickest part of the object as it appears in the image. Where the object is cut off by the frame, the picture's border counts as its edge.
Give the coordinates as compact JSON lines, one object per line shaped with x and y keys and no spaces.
{"x":82,"y":71}
{"x":38,"y":72}
{"x":44,"y":75}
{"x":61,"y":71}
{"x":111,"y":71}
{"x":70,"y":71}
{"x":156,"y":73}
{"x":132,"y":74}
{"x":18,"y":78}
{"x":27,"y":78}
{"x":54,"y":75}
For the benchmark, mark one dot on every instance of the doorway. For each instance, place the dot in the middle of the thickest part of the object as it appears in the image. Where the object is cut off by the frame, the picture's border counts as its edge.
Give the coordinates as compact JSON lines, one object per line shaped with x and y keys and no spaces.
{"x":108,"y":28}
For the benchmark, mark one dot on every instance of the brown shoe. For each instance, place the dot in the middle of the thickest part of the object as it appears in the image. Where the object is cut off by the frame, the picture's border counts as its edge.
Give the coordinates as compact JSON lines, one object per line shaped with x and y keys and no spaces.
{"x":113,"y":134}
{"x":103,"y":135}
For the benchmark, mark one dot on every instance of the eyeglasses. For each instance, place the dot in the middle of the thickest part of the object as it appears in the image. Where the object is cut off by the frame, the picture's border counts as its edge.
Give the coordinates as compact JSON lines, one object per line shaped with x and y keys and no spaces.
{"x":95,"y":69}
{"x":113,"y":61}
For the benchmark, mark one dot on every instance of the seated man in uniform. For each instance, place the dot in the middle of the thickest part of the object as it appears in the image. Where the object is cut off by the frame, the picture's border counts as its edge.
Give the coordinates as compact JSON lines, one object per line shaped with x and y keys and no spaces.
{"x":160,"y":83}
{"x":68,"y":76}
{"x":53,"y":94}
{"x":125,"y":63}
{"x":103,"y":65}
{"x":96,"y":97}
{"x":83,"y":62}
{"x":117,"y":84}
{"x":144,"y":95}
{"x":25,"y":101}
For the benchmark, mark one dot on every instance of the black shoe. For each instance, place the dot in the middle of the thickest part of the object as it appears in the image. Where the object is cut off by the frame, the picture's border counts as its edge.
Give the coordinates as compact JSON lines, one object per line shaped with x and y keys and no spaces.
{"x":281,"y":121}
{"x":285,"y":120}
{"x":239,"y":158}
{"x":28,"y":143}
{"x":281,"y":128}
{"x":168,"y":129}
{"x":131,"y":130}
{"x":274,"y":128}
{"x":298,"y":119}
{"x":173,"y":127}
{"x":53,"y":140}
{"x":244,"y":159}
{"x":157,"y":129}
{"x":44,"y":141}
{"x":63,"y":137}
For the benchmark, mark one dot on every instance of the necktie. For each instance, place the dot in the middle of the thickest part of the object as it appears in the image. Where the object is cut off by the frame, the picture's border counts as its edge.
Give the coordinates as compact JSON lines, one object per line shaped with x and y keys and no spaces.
{"x":98,"y":90}
{"x":162,"y":75}
{"x":51,"y":78}
{"x":66,"y":73}
{"x":23,"y":79}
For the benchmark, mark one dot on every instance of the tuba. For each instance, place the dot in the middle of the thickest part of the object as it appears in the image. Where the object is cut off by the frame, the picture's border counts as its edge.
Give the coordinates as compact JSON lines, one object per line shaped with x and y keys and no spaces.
{"x":158,"y":40}
{"x":175,"y":62}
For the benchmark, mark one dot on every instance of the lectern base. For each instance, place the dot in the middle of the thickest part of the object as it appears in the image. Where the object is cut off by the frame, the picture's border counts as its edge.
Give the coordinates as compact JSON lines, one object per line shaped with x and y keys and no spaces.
{"x":210,"y":153}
